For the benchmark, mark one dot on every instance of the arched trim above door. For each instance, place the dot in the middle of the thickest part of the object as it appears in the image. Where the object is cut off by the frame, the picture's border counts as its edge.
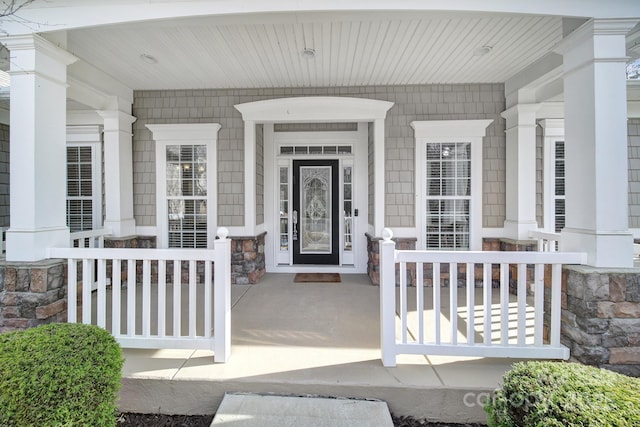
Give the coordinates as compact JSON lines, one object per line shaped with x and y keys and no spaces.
{"x":315,"y":109}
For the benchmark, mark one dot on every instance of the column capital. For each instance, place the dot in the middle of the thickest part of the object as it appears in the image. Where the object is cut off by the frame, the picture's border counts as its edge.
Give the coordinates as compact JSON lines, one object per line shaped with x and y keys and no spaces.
{"x":115,"y":119}
{"x":521,"y":115}
{"x":594,"y":28}
{"x":40,"y":44}
{"x":552,"y":127}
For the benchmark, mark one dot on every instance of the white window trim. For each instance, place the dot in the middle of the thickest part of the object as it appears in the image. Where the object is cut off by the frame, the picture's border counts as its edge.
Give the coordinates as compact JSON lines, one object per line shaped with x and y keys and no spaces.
{"x":553,"y":131}
{"x":449,"y":131}
{"x":185,"y":134}
{"x":91,"y":136}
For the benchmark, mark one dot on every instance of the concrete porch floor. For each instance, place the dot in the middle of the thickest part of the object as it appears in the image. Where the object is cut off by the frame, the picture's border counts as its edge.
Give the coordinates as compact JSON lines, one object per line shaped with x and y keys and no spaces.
{"x":308,"y":339}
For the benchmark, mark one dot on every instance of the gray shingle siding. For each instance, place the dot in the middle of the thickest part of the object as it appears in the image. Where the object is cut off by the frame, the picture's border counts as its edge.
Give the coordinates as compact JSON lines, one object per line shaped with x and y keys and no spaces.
{"x":432,"y":102}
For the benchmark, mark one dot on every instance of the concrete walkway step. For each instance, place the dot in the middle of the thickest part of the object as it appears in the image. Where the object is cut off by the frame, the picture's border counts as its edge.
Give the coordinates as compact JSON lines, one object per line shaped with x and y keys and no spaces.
{"x":248,"y":410}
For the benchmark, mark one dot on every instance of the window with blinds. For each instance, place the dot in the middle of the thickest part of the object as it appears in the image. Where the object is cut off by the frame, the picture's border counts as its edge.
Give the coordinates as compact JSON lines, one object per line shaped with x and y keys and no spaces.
{"x":80,"y":194}
{"x":186,"y":195}
{"x":559,"y":187}
{"x":448,"y":195}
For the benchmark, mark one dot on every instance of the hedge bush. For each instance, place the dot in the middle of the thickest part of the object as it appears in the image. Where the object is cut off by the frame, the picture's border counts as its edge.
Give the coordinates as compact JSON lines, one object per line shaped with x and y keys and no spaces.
{"x":546,"y":394}
{"x":59,"y":375}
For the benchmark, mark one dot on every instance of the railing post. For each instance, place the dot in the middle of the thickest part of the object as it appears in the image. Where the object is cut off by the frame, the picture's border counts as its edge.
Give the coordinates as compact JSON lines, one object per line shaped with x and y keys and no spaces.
{"x":387,"y":299}
{"x":222,"y":297}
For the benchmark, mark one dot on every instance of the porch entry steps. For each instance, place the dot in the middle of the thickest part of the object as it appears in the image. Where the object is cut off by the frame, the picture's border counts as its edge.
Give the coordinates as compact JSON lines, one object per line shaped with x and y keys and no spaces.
{"x":264,"y":410}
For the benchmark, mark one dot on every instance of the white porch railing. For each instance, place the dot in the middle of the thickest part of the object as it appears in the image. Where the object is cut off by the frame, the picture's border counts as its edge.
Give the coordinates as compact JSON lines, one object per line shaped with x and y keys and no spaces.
{"x":470,"y":330}
{"x":547,"y":241}
{"x":89,"y":238}
{"x":145,"y":309}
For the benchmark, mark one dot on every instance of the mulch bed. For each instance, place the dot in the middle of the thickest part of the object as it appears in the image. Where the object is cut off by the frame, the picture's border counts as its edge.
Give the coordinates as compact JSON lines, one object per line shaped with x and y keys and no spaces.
{"x":160,"y":420}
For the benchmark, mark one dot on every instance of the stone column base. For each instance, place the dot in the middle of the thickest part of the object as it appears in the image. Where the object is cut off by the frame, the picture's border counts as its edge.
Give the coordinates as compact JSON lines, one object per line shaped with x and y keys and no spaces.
{"x":601,"y":317}
{"x":247,"y":259}
{"x":373,"y":258}
{"x":32,"y":294}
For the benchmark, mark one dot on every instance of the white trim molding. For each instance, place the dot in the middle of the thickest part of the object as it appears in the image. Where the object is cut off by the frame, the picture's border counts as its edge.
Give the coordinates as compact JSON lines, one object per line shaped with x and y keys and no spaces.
{"x":439,"y":131}
{"x":314,"y":109}
{"x":181,"y":134}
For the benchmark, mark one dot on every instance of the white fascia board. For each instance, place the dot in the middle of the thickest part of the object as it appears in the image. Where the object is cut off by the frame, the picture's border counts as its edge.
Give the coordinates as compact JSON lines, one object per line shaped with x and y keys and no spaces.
{"x":91,"y":83}
{"x":69,"y":14}
{"x":539,"y":73}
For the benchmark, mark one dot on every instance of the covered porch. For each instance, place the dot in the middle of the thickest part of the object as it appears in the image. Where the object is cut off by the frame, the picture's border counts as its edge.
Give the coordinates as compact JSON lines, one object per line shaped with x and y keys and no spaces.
{"x":312,"y":338}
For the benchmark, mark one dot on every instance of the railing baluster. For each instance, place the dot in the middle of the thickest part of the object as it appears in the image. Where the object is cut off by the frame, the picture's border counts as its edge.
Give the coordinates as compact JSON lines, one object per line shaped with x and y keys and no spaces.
{"x":486,"y":301}
{"x":116,"y":295}
{"x":131,"y":297}
{"x":72,"y":297}
{"x":436,"y":300}
{"x":556,"y":304}
{"x":208,"y":284}
{"x":177,"y":289}
{"x":162,"y":297}
{"x":87,"y":279}
{"x":471,"y":303}
{"x":420,"y":300}
{"x":102,"y":293}
{"x":403,"y":300}
{"x":504,"y":304}
{"x":522,"y":303}
{"x":538,"y":322}
{"x":453,"y":301}
{"x":192,"y":298}
{"x":146,"y":297}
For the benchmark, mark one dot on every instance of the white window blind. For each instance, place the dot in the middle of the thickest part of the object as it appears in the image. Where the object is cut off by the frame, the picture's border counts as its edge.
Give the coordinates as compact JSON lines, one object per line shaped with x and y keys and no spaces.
{"x":559,"y":187}
{"x":80,"y":194}
{"x":186,"y":192}
{"x":448,"y":195}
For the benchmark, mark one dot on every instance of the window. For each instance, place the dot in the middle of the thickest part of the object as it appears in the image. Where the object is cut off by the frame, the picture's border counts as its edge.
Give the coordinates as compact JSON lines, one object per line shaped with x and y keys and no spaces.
{"x":84,"y":178}
{"x":186,"y":195}
{"x":448,"y":195}
{"x":554,"y":175}
{"x":186,"y":184}
{"x":558,"y":193}
{"x":449,"y":183}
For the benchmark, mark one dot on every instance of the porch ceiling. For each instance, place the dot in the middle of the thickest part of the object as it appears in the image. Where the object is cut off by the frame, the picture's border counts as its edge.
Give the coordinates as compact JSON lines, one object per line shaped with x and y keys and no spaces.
{"x":351,"y":49}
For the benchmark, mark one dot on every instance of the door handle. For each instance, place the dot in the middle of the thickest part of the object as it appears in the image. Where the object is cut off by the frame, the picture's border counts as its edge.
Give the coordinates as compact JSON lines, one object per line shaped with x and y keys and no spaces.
{"x":294,"y":220}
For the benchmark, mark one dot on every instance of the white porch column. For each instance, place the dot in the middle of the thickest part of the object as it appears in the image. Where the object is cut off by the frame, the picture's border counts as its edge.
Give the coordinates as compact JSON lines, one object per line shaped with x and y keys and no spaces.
{"x":38,"y":139}
{"x":118,"y":172}
{"x":520,"y":171}
{"x":250,"y":177}
{"x":596,"y":143}
{"x":379,"y":175}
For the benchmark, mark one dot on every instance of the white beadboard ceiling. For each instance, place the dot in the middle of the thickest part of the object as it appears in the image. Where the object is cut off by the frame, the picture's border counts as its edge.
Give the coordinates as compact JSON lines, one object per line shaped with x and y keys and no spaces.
{"x":352,"y":49}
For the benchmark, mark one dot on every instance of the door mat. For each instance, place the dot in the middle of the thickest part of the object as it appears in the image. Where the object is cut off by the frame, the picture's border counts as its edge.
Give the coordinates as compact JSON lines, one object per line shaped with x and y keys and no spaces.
{"x":317,"y":277}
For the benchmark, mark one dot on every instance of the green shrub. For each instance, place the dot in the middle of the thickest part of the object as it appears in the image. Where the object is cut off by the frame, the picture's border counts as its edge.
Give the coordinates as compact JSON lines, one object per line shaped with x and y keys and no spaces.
{"x":59,"y":375}
{"x":549,"y":394}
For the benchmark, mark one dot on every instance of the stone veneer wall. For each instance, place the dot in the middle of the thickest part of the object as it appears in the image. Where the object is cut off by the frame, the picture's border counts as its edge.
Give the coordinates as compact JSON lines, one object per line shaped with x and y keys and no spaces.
{"x":373,"y":257}
{"x":601,"y":317}
{"x":247,"y":259}
{"x":247,"y":256}
{"x":32,"y":294}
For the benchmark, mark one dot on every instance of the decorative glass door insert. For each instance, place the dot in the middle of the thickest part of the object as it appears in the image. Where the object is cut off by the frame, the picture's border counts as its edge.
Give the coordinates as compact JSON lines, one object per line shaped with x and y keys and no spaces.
{"x":315,"y":219}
